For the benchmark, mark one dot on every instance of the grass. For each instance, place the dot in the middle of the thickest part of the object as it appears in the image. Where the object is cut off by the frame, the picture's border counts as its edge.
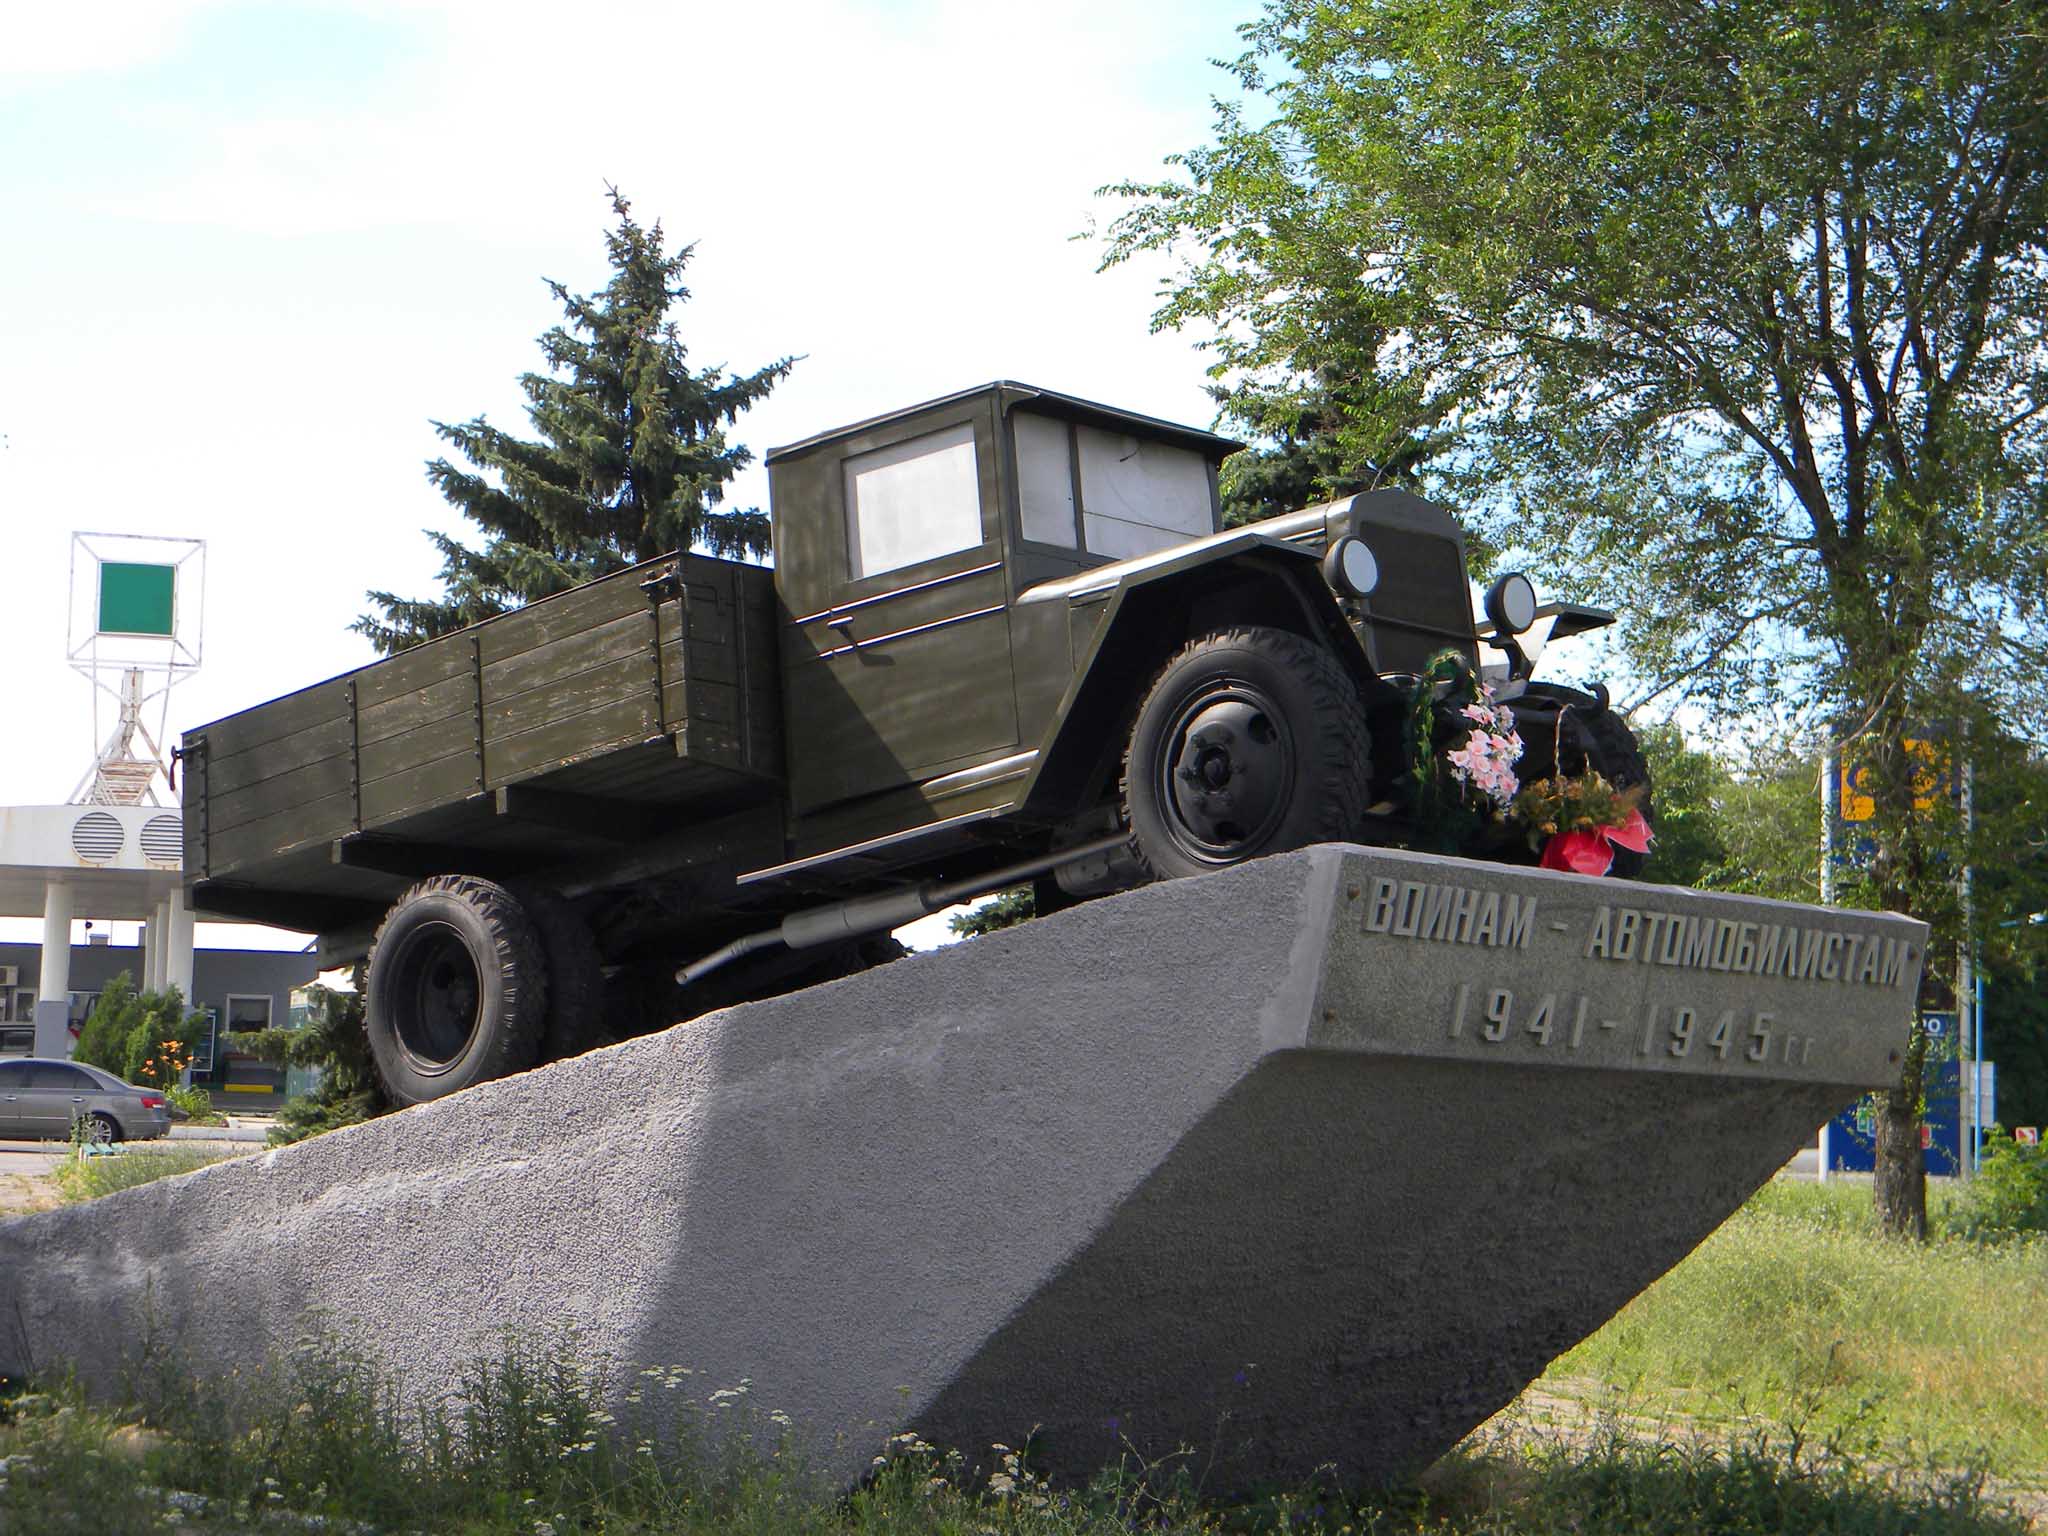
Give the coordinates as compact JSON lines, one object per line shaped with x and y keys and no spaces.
{"x":1797,"y":1305}
{"x":88,"y":1178}
{"x":522,"y":1451}
{"x":1796,"y":1374}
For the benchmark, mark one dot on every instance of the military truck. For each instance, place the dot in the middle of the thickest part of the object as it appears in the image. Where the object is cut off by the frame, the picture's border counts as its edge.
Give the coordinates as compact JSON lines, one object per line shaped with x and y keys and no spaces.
{"x":1005,"y":638}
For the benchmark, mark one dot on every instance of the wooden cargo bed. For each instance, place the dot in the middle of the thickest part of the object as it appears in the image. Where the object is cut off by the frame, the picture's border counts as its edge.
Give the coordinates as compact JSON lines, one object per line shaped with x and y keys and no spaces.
{"x":591,"y":718}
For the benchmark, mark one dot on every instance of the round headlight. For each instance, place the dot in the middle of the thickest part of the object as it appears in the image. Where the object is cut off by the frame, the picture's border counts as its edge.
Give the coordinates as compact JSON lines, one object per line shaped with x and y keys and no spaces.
{"x":1350,"y":567}
{"x":1511,"y":603}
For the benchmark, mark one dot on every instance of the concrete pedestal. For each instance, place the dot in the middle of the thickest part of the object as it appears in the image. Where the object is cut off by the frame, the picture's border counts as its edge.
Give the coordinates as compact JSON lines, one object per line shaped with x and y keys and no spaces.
{"x":1312,"y":1163}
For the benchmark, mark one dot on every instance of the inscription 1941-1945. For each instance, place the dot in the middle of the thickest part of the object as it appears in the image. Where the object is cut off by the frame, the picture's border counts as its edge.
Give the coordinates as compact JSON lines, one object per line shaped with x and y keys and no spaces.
{"x":1659,"y":978}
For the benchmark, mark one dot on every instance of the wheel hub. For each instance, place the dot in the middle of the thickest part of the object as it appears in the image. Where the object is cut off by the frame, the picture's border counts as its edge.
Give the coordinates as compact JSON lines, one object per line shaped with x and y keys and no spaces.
{"x":1228,"y":767}
{"x":440,"y":993}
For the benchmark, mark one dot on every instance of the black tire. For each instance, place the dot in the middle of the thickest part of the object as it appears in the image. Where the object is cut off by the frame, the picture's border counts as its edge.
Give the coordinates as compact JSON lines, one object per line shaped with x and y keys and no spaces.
{"x":1269,"y":712}
{"x":1591,"y":735}
{"x":102,"y":1129}
{"x":576,"y":1001}
{"x":458,"y":989}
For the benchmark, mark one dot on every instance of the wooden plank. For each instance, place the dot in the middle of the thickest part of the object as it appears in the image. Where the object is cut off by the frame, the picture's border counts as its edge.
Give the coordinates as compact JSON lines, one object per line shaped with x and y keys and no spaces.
{"x":627,"y":681}
{"x":453,"y":697}
{"x":412,"y":671}
{"x":711,"y":617}
{"x":281,"y":792}
{"x":230,"y":771}
{"x":607,"y":724}
{"x":427,"y":744}
{"x":318,"y":821}
{"x":567,"y":613}
{"x":420,"y":788}
{"x":295,"y":712}
{"x":627,"y":635}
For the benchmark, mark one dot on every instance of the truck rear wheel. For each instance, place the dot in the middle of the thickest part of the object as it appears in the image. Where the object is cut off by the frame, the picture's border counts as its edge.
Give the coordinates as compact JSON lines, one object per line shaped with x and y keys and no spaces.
{"x":576,"y":1003}
{"x":457,"y":992}
{"x":1250,"y":741}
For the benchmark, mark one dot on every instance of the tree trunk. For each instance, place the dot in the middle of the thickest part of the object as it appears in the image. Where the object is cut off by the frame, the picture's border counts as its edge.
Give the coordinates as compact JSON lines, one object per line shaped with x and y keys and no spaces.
{"x":1899,"y":1186}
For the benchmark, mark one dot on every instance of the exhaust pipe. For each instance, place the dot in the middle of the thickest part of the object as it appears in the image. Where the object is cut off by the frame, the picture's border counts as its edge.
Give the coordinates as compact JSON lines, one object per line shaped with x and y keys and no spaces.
{"x":891,"y":909}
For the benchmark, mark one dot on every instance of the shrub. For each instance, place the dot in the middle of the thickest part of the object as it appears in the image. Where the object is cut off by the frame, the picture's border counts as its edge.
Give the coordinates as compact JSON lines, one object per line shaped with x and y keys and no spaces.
{"x":197,"y":1105}
{"x":2009,"y":1196}
{"x":143,"y":1037}
{"x":87,"y":1178}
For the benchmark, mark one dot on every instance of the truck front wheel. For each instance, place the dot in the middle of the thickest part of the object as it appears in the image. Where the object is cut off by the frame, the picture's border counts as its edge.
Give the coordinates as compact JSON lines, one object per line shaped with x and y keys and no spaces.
{"x":457,"y":992}
{"x":1249,"y":742}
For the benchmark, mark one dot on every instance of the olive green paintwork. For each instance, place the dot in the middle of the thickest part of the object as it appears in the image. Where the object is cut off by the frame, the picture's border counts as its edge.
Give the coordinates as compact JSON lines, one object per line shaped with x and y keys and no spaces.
{"x":757,"y":739}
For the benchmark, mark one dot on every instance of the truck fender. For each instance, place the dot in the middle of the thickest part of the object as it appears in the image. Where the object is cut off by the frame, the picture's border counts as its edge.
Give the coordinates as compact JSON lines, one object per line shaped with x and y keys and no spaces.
{"x":1152,"y":614}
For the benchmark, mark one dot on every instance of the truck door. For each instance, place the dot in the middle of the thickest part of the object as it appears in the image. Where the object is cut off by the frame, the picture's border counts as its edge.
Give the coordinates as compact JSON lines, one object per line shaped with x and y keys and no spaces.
{"x":896,"y":655}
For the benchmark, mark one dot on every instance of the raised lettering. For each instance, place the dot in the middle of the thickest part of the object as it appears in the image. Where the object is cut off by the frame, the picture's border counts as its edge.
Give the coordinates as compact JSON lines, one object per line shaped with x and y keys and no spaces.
{"x":1521,"y":913}
{"x":1596,"y":941}
{"x":1436,"y":912}
{"x":1759,"y":1047}
{"x":1408,"y":911}
{"x":1651,"y":928}
{"x":1724,"y":944}
{"x":1625,"y":934}
{"x":1745,"y":946}
{"x":1831,"y":958}
{"x":1379,"y":912}
{"x":1487,"y":929}
{"x":1499,"y":1004}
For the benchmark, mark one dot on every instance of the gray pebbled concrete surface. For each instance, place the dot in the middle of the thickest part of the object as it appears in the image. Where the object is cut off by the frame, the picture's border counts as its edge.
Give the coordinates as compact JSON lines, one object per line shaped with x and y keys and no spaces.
{"x":1123,"y":1175}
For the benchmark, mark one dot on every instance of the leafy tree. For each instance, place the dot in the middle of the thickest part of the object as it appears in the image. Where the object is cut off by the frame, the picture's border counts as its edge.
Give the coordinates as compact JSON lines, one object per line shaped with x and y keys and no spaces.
{"x":140,"y":1037}
{"x":1006,"y":909}
{"x":631,"y":460}
{"x":1733,"y":311}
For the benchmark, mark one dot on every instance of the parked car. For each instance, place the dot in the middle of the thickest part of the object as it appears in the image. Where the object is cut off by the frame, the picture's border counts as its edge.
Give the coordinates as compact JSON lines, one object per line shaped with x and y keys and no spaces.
{"x":41,"y":1099}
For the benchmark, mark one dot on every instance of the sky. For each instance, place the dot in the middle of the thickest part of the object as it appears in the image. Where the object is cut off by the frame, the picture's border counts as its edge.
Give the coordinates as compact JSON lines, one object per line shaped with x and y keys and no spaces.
{"x":253,"y":251}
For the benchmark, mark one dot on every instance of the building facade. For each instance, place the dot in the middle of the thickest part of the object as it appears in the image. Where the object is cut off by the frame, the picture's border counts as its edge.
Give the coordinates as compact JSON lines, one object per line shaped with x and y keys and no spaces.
{"x":236,"y":989}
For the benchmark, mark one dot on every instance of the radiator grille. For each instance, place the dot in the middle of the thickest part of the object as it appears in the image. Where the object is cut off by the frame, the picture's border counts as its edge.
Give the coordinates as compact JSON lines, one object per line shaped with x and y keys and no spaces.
{"x":1422,"y":604}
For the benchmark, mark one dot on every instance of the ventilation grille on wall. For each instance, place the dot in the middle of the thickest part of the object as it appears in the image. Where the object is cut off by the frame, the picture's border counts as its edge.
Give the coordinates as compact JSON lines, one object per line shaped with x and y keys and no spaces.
{"x":96,"y":837}
{"x":163,"y":839}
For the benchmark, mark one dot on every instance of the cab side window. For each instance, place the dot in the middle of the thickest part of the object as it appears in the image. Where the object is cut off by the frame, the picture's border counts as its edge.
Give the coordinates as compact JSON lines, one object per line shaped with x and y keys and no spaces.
{"x":912,"y":502}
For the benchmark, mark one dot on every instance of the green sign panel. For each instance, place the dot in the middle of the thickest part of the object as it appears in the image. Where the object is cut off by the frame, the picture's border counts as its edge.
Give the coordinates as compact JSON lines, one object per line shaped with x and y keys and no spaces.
{"x":137,"y":599}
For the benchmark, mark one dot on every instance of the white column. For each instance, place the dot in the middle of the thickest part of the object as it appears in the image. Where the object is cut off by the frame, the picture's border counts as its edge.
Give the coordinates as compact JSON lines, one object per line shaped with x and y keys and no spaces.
{"x":53,"y":985}
{"x":178,"y":947}
{"x":159,"y":944}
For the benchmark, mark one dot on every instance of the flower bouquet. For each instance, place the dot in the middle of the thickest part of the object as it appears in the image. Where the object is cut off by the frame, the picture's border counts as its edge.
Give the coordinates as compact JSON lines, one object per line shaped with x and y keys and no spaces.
{"x":1577,"y":823}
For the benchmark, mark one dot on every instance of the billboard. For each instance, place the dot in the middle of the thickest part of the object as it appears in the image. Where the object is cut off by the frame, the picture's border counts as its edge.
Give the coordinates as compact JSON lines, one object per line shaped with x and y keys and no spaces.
{"x":136,"y":599}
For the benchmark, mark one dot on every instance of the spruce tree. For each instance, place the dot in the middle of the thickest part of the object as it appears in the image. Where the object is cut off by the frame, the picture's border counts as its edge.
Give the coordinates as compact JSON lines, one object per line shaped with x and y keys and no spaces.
{"x":631,"y":458}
